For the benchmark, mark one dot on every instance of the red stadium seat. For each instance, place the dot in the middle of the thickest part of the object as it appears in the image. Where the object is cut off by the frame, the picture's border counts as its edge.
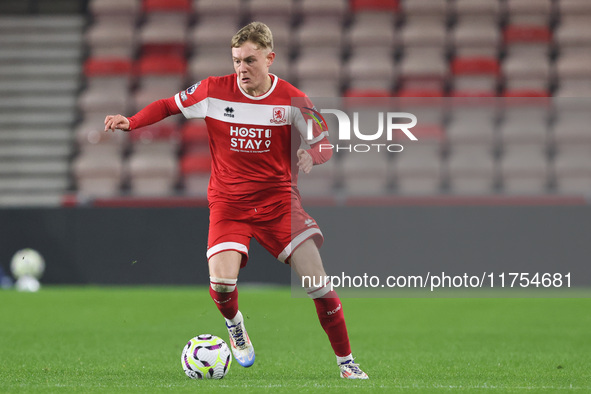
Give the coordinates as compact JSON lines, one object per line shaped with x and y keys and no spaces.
{"x":527,"y":64}
{"x":534,"y":107}
{"x":472,"y":93}
{"x":523,"y":34}
{"x":163,"y":36}
{"x":420,"y":93}
{"x":428,"y":132}
{"x":526,"y":93}
{"x":368,"y":93}
{"x":167,"y":6}
{"x":161,"y":65}
{"x":475,"y":66}
{"x":194,"y":136}
{"x":164,"y":48}
{"x":195,"y":170}
{"x":196,"y":164}
{"x":475,"y":76}
{"x":103,"y":67}
{"x":373,"y":5}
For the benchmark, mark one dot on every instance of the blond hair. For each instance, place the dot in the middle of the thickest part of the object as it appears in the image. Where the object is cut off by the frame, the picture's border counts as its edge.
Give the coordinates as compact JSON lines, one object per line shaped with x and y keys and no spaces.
{"x":256,"y":32}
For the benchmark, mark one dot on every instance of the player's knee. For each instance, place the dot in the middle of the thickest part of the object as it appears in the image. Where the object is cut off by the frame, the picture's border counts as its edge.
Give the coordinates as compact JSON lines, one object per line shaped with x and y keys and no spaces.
{"x":222,"y":285}
{"x":320,"y":289}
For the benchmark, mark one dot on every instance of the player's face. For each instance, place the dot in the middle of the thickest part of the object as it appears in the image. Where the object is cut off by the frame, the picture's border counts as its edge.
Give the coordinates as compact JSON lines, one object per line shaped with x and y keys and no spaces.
{"x":252,"y":67}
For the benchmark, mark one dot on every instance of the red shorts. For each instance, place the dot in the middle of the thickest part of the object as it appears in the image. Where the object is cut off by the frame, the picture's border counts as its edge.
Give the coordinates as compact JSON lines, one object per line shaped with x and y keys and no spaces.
{"x":280,"y":228}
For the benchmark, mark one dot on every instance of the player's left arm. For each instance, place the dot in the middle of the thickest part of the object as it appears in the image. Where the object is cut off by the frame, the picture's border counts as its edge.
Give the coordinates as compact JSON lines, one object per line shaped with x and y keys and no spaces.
{"x":320,"y":151}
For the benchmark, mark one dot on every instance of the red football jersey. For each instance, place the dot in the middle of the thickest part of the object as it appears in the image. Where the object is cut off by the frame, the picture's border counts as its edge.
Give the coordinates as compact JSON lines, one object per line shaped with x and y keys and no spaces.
{"x":252,"y":142}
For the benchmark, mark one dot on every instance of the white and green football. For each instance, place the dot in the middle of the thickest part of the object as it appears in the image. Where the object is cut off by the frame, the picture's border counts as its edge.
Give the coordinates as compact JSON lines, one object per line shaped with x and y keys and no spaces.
{"x":27,"y":262}
{"x":206,"y":357}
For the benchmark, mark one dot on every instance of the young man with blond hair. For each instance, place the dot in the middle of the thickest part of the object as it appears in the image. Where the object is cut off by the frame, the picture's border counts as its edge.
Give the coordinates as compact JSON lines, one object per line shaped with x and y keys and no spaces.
{"x":253,"y":191}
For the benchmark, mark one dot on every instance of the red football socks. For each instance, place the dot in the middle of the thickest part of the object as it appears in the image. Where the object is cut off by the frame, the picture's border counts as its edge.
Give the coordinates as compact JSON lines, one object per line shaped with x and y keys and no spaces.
{"x":225,"y":295}
{"x":332,"y":320}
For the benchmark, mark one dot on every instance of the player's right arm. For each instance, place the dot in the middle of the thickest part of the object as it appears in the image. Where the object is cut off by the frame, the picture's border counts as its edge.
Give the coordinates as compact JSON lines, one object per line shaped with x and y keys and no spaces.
{"x":191,"y":102}
{"x":152,"y":113}
{"x":116,"y":122}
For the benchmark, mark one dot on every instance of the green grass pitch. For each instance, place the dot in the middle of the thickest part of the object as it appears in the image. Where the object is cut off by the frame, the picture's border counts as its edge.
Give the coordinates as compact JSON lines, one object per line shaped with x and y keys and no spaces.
{"x":129,"y":339}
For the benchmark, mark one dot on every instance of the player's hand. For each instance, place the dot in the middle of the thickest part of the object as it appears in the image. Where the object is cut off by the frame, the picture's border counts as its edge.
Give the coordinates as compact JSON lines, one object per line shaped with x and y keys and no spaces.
{"x":305,"y":162}
{"x":113,"y":122}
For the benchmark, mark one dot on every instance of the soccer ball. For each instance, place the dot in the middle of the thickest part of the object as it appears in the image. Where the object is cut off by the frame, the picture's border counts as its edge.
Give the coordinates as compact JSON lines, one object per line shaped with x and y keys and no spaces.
{"x":27,"y":284}
{"x":27,"y":262}
{"x":206,"y":357}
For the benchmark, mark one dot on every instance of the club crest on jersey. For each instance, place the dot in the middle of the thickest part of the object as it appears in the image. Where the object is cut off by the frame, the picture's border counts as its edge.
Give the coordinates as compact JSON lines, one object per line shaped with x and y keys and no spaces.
{"x":279,"y":115}
{"x":192,"y":88}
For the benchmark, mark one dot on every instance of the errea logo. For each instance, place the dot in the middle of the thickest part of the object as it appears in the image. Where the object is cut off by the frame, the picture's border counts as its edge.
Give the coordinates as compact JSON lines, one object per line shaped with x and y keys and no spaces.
{"x":229,"y":112}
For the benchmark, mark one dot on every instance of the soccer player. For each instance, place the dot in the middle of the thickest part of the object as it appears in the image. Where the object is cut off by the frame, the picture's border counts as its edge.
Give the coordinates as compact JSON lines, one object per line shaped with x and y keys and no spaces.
{"x":253,"y":187}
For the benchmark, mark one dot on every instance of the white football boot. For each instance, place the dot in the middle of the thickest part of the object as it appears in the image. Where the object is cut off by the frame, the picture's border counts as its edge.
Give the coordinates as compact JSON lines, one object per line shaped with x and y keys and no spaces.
{"x":351,"y":370}
{"x":240,"y":342}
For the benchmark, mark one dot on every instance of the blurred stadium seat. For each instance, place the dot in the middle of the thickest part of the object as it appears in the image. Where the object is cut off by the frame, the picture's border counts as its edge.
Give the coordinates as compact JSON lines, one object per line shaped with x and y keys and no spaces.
{"x":319,"y":183}
{"x":472,"y":122}
{"x":195,"y":170}
{"x":132,"y":52}
{"x":98,"y":173}
{"x":40,"y":68}
{"x":323,"y":10}
{"x":204,"y":36}
{"x":152,"y":167}
{"x":370,"y":68}
{"x":357,"y":6}
{"x":163,"y":36}
{"x":572,"y":166}
{"x":111,"y":38}
{"x":365,"y":174}
{"x":472,"y":169}
{"x":308,"y":68}
{"x":153,"y":175}
{"x":473,"y":37}
{"x":179,"y":8}
{"x":107,"y":9}
{"x":217,"y":8}
{"x":419,"y":168}
{"x":465,"y":48}
{"x":524,"y":169}
{"x":475,"y":76}
{"x":529,"y":12}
